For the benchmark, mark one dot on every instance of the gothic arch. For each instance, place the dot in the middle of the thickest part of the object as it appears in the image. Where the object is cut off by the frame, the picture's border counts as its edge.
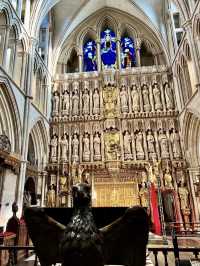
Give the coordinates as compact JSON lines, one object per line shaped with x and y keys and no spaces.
{"x":191,"y":133}
{"x":86,"y":34}
{"x":39,"y":137}
{"x":9,"y":116}
{"x":130,"y":30}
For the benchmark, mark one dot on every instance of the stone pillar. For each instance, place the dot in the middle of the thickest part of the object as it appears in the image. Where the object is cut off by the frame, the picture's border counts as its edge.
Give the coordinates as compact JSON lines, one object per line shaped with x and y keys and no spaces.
{"x":27,"y":14}
{"x":26,"y":119}
{"x":118,"y":54}
{"x":44,"y":177}
{"x":193,"y":196}
{"x":25,"y":57}
{"x":8,"y":28}
{"x":138,"y":43}
{"x":80,"y":62}
{"x":169,"y":145}
{"x":162,"y":96}
{"x":17,"y":43}
{"x":19,"y":8}
{"x":98,"y":55}
{"x":194,"y":56}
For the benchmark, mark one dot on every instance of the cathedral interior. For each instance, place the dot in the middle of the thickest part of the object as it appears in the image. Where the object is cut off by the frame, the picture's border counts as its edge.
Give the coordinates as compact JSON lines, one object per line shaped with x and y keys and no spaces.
{"x":106,"y":92}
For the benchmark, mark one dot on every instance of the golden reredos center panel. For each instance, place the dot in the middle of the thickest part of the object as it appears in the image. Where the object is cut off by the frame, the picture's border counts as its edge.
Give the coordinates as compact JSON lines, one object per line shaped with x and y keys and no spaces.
{"x":113,"y":120}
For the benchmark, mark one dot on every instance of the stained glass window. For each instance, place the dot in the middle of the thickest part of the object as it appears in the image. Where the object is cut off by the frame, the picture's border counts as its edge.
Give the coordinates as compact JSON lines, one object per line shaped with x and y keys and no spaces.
{"x":108,"y":48}
{"x":89,"y":51}
{"x":128,"y":57}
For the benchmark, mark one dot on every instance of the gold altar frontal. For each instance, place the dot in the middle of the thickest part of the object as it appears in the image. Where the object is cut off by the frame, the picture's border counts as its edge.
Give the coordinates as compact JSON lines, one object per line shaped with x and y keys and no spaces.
{"x":112,"y":192}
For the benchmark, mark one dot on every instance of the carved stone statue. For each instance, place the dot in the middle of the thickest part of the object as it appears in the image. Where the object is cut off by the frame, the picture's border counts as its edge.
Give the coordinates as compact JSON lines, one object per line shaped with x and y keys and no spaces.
{"x":175,"y":140}
{"x":75,"y":148}
{"x":53,"y":144}
{"x":86,"y":148}
{"x":164,"y":147}
{"x":152,"y":177}
{"x":64,"y":147}
{"x":183,"y":194}
{"x":127,"y":146}
{"x":97,"y":147}
{"x":168,"y":179}
{"x":51,"y":196}
{"x":86,"y":103}
{"x":146,"y":102}
{"x":124,"y":100}
{"x":157,"y":98}
{"x":144,"y":195}
{"x":65,"y":103}
{"x":135,"y":99}
{"x":55,"y":103}
{"x":139,"y":146}
{"x":96,"y":102}
{"x":169,"y":97}
{"x":150,"y":143}
{"x":75,"y":103}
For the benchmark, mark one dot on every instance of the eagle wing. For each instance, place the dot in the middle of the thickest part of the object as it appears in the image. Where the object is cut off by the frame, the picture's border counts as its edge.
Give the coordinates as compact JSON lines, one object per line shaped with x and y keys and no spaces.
{"x":126,"y":238}
{"x":46,"y":235}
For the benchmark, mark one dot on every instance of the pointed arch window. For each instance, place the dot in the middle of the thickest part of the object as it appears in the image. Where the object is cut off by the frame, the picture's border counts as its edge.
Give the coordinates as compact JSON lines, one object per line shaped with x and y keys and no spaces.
{"x":108,"y":48}
{"x":89,"y":52}
{"x":128,"y":56}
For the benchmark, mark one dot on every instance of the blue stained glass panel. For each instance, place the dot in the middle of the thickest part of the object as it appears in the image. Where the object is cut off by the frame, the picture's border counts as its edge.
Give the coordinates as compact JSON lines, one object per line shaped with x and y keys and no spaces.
{"x":128,"y":56}
{"x":89,"y":52}
{"x":108,"y":48}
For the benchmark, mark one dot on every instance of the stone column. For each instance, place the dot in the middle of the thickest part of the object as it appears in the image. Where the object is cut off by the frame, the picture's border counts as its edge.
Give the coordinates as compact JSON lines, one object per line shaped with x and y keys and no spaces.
{"x":194,"y":56}
{"x":98,"y":55}
{"x":80,"y":62}
{"x":138,"y":43}
{"x":27,"y":14}
{"x":102,"y":147}
{"x":44,"y":177}
{"x":118,"y":54}
{"x":162,"y":96}
{"x":8,"y":28}
{"x":25,"y":134}
{"x":19,"y":8}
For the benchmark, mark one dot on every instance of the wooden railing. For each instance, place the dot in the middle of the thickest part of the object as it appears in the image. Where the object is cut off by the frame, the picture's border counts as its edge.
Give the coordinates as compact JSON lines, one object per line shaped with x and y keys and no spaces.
{"x":165,"y":251}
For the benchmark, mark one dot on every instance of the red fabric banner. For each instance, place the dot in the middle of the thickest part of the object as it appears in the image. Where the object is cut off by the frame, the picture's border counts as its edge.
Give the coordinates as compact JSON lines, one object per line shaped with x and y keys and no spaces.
{"x":154,"y":210}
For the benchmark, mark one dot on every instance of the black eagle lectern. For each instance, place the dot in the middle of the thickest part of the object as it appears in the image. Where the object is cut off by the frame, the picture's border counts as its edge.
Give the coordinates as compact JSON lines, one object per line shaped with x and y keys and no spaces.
{"x":80,"y":242}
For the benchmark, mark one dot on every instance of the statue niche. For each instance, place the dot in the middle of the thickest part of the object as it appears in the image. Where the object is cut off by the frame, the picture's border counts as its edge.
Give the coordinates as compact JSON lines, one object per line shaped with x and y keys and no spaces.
{"x":127,"y":146}
{"x":124,"y":99}
{"x":86,"y":147}
{"x":135,"y":99}
{"x":97,"y":147}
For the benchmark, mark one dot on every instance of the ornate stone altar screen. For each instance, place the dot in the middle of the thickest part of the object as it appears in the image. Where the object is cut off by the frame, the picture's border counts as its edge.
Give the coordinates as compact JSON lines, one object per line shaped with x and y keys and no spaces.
{"x":110,"y":121}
